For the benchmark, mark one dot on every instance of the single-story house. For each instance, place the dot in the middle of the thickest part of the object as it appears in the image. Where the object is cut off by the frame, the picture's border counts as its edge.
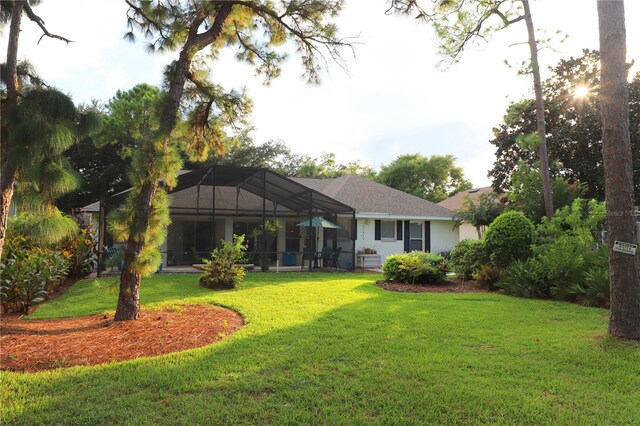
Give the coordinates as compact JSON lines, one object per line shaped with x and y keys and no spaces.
{"x":214,"y":203}
{"x":456,"y":202}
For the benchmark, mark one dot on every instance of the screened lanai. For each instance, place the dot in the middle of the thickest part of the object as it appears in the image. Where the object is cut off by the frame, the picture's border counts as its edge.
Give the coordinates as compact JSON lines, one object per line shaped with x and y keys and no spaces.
{"x":214,"y":203}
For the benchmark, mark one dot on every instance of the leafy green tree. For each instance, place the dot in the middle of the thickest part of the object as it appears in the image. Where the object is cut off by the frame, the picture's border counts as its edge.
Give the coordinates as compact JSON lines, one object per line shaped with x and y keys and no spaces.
{"x":574,"y":127}
{"x":199,"y":30}
{"x":13,"y":78}
{"x":274,"y":155}
{"x":460,"y":24}
{"x":526,"y":195}
{"x":47,"y":124}
{"x":326,"y":167}
{"x":479,"y":213}
{"x":624,"y":269}
{"x":433,"y":178}
{"x":102,"y":172}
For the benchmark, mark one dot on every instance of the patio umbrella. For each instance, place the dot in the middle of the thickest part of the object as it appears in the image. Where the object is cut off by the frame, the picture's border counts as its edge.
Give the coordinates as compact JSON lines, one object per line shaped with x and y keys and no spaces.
{"x":318,"y":222}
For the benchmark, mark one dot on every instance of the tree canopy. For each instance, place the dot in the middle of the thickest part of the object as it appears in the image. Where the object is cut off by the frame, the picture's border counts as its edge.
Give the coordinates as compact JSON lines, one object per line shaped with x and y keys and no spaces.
{"x":433,"y":178}
{"x":573,"y":124}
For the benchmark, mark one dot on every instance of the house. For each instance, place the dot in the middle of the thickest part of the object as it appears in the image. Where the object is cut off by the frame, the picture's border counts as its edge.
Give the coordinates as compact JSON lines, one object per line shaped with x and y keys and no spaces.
{"x":214,"y":203}
{"x":456,"y":202}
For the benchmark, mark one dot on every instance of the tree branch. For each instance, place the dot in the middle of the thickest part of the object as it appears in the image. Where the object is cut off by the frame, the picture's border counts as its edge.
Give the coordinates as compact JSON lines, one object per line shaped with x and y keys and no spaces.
{"x":35,"y":18}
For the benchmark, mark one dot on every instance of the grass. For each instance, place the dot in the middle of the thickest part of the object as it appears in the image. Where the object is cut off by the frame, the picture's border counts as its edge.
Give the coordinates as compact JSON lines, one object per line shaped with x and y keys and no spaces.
{"x":335,"y":349}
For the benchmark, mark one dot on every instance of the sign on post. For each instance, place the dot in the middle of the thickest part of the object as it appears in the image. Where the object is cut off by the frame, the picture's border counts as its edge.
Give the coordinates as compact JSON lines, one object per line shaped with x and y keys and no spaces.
{"x":626,"y":248}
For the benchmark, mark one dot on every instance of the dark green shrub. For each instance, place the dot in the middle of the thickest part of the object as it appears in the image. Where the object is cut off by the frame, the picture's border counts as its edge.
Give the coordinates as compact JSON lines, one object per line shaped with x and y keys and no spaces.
{"x":509,"y":238}
{"x":596,"y":291}
{"x":221,"y":272}
{"x":525,"y":279}
{"x":487,"y":276}
{"x":467,"y":257}
{"x":416,"y":267}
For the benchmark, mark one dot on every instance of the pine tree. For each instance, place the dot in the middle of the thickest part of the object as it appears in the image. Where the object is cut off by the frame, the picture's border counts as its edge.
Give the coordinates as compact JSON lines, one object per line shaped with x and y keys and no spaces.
{"x":199,"y":30}
{"x":624,"y":269}
{"x":12,"y":11}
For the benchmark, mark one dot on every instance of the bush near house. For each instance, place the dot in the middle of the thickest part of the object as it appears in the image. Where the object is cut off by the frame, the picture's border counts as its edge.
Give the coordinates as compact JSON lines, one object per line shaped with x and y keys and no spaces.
{"x":509,"y":238}
{"x":417,"y":267}
{"x":467,"y":257}
{"x":38,"y":258}
{"x":568,"y":263}
{"x":221,"y":272}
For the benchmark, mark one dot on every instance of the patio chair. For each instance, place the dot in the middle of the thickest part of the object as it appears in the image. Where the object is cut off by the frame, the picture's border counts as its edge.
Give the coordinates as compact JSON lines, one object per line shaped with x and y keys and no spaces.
{"x":326,"y":256}
{"x":307,"y":255}
{"x":335,"y":258}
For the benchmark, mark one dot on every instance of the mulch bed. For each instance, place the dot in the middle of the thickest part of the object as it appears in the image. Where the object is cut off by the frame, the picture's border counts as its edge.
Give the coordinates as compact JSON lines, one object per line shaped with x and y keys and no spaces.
{"x":37,"y":345}
{"x":448,"y":287}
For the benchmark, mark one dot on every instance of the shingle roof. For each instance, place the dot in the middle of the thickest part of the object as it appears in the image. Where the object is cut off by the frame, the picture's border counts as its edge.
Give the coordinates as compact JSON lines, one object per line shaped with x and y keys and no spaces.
{"x":367,"y":196}
{"x":455,"y":202}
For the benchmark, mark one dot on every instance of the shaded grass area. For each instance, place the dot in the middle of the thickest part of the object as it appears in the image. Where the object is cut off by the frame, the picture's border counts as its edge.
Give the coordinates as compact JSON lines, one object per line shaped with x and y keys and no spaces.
{"x":336,"y":349}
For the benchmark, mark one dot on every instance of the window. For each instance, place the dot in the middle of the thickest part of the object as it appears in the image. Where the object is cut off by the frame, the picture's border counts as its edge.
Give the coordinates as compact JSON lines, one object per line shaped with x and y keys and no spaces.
{"x":388,"y":229}
{"x":415,"y":236}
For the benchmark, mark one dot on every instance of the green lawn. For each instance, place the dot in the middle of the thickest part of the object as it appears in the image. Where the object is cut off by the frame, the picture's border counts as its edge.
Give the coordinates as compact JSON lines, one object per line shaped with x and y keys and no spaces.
{"x":335,"y":349}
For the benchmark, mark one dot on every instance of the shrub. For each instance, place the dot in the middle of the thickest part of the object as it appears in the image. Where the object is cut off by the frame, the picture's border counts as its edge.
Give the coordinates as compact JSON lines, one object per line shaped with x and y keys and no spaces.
{"x":416,"y":267}
{"x":509,"y":238}
{"x":525,"y":279}
{"x":28,"y":275}
{"x":487,"y":276}
{"x":221,"y":271}
{"x":467,"y":257}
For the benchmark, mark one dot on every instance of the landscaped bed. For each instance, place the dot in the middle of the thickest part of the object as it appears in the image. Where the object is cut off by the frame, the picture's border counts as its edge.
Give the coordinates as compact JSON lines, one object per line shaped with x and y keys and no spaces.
{"x":450,"y":286}
{"x":96,"y":339}
{"x":337,"y":349}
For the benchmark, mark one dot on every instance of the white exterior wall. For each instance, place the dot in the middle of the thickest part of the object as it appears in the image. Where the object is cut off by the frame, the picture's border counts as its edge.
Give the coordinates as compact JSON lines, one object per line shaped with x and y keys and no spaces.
{"x":468,"y":232}
{"x":366,"y":238}
{"x":443,"y":237}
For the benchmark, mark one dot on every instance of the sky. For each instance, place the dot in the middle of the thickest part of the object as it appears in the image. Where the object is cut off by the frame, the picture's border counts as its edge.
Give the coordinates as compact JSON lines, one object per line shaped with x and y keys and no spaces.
{"x":393,"y":100}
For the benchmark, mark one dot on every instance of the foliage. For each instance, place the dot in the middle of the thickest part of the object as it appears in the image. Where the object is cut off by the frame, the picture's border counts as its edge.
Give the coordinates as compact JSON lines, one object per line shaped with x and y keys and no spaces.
{"x":367,"y":250}
{"x":567,"y":263}
{"x":583,"y":219}
{"x":433,"y":178}
{"x":565,"y":270}
{"x":415,"y":267}
{"x":487,"y":276}
{"x":221,"y":271}
{"x":509,"y":238}
{"x":479,"y":213}
{"x":467,"y":257}
{"x":130,"y":125}
{"x":61,"y":233}
{"x":573,"y":126}
{"x":326,"y":167}
{"x":28,"y":274}
{"x":525,"y":278}
{"x":527,"y":197}
{"x":273,"y":155}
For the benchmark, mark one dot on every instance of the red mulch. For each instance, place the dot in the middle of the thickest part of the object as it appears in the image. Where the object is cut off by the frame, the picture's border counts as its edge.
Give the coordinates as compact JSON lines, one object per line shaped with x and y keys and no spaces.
{"x":37,"y":345}
{"x":448,"y":287}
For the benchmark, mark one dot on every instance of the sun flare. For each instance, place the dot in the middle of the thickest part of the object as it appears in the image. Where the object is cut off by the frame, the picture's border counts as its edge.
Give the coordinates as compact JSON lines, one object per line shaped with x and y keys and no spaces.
{"x":581,"y":92}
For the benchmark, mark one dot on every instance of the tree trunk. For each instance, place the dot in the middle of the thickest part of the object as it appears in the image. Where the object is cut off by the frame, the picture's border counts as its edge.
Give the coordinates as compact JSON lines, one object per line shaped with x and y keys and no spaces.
{"x":624,"y":269}
{"x":129,"y":297}
{"x":540,"y":120}
{"x":8,"y":171}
